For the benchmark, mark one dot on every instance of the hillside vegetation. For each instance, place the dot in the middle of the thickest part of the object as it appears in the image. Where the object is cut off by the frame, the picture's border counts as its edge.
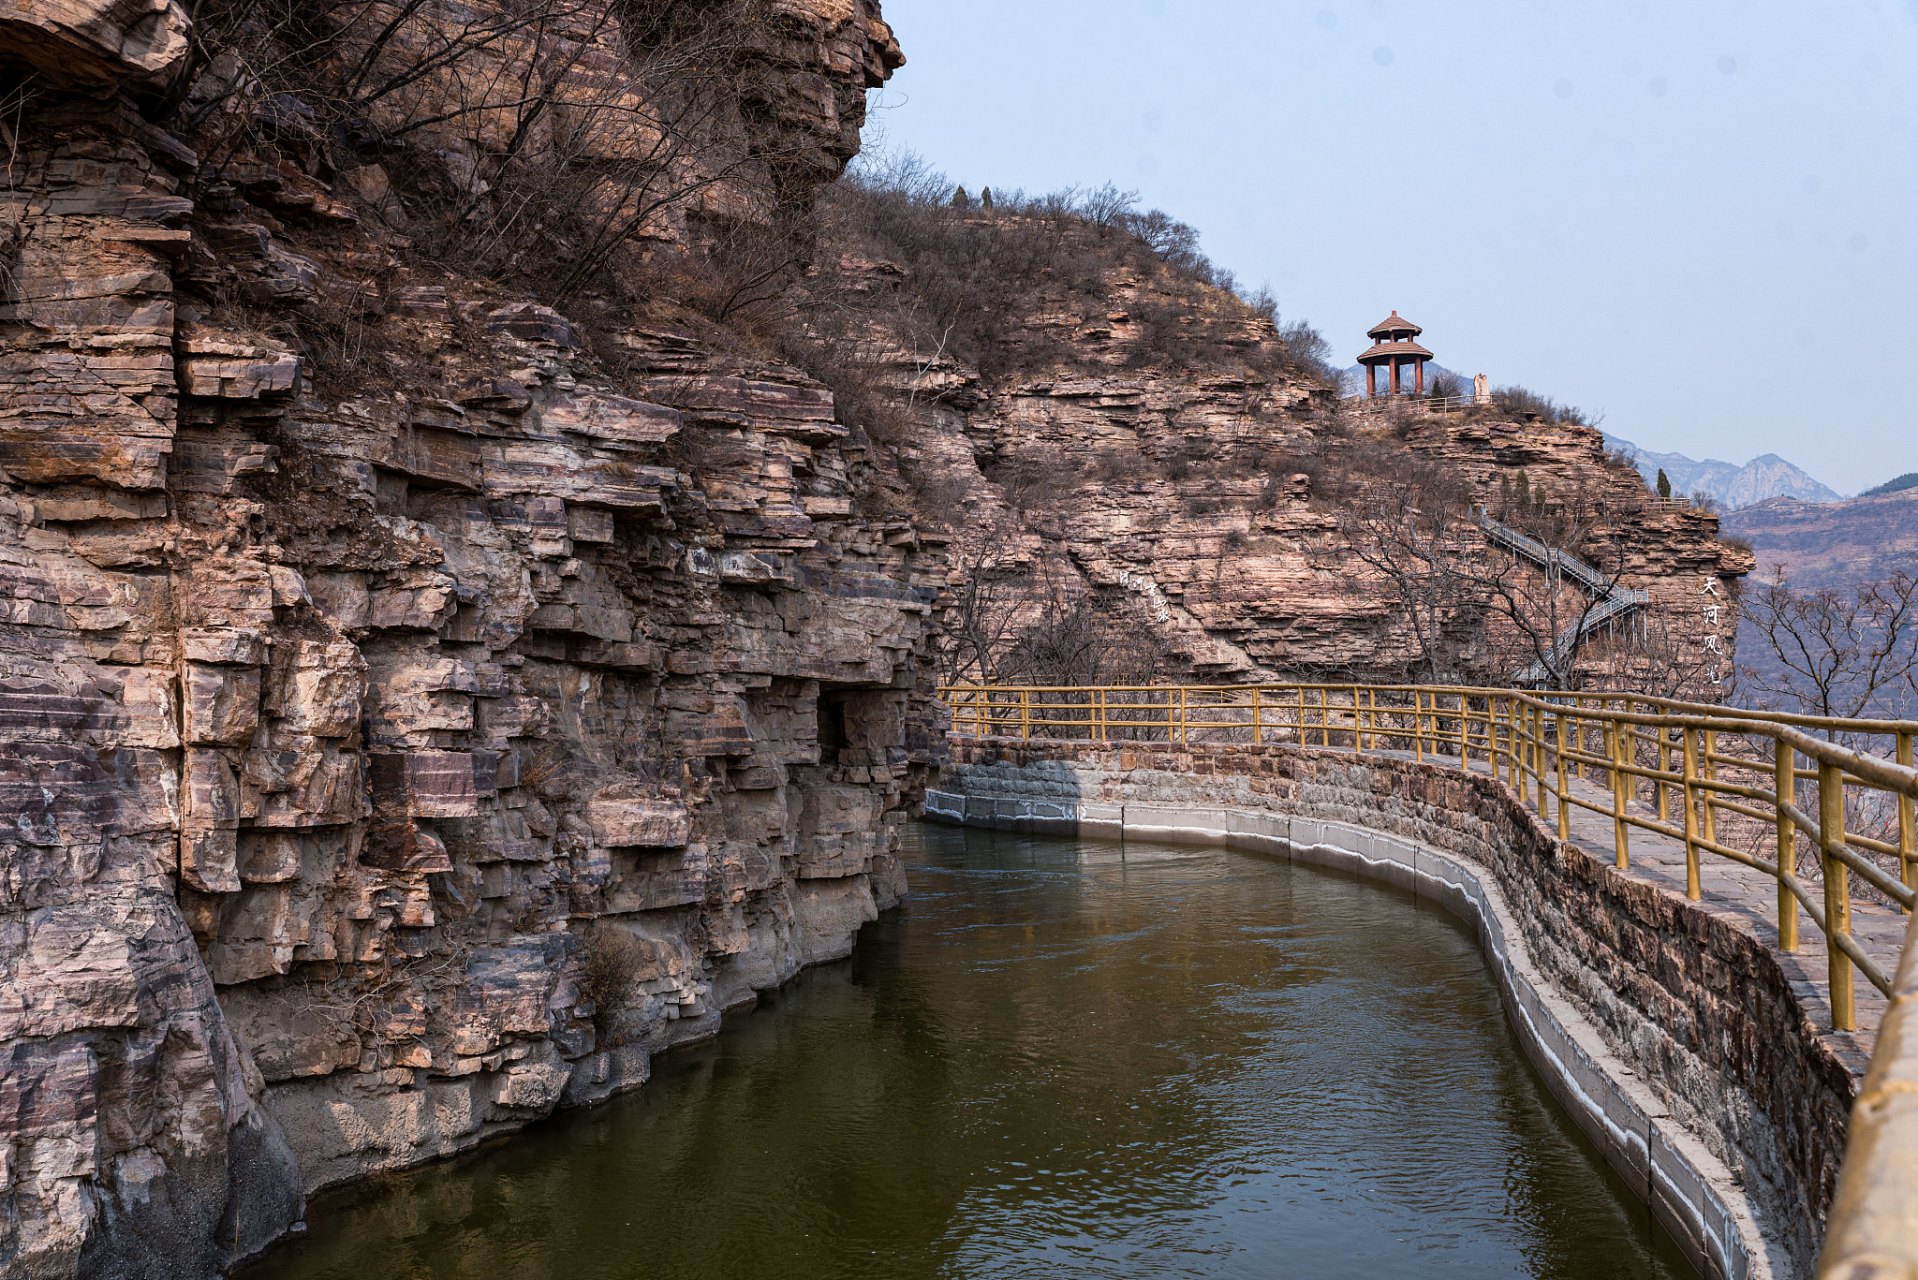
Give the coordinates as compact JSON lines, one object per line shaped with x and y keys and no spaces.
{"x":1146,"y":472}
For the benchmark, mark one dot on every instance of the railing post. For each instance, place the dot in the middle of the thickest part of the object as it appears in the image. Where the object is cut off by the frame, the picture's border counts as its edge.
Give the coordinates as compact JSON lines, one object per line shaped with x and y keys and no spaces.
{"x":1522,"y":748}
{"x":1492,"y":744}
{"x":1711,"y":776}
{"x":1907,"y":820}
{"x":1025,"y":714}
{"x":1539,"y":756}
{"x":1514,"y":762}
{"x":1631,"y":757}
{"x":1325,"y":717}
{"x":1578,"y":740}
{"x":1372,"y":709}
{"x":1418,"y":726}
{"x":1105,"y":734}
{"x":1258,"y":727}
{"x":1464,"y":733}
{"x":1621,"y":829}
{"x":1664,"y":767}
{"x":1564,"y":814}
{"x":1831,"y":838}
{"x":1784,"y":788}
{"x":1508,"y":741}
{"x":1182,"y":715}
{"x":1688,"y":739}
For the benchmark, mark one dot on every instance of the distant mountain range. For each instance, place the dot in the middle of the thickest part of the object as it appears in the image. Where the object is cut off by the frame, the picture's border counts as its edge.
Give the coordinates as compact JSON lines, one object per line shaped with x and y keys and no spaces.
{"x":1728,"y":484}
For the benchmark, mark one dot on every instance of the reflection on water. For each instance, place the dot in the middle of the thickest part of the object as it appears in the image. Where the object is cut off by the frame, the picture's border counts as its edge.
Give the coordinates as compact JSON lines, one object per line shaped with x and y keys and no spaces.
{"x":1057,"y":1060}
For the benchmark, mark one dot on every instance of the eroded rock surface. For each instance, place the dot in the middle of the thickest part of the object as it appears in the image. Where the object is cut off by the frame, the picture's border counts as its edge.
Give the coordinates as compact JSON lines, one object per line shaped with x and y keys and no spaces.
{"x":1138,"y":439}
{"x":395,"y":749}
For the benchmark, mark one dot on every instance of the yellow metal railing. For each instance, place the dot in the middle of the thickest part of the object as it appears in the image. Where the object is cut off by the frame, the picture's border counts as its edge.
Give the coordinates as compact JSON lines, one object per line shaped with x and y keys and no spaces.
{"x":1727,"y":783}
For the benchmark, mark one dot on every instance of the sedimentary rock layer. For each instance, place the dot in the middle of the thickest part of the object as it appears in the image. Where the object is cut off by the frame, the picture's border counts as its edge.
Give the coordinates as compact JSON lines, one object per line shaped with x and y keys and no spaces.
{"x":403,"y":740}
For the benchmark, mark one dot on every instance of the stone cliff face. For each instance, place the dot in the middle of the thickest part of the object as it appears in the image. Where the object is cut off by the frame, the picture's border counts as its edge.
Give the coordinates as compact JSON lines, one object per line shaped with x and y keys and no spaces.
{"x":1142,"y":443}
{"x":400,"y":746}
{"x":421,"y":702}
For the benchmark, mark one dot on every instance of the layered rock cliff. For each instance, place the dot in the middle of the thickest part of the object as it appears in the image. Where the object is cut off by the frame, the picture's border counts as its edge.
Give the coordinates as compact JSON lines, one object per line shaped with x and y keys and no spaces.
{"x":452,"y":650}
{"x":416,"y":709}
{"x":1146,"y":476}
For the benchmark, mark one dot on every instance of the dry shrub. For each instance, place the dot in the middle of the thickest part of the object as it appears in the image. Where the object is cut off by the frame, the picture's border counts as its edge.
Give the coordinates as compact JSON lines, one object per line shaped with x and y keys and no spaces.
{"x":609,"y":976}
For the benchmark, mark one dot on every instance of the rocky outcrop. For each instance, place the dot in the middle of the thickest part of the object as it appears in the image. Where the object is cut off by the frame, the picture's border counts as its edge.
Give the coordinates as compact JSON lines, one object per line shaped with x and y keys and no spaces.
{"x":1145,"y":442}
{"x":95,"y":42}
{"x":401,"y":740}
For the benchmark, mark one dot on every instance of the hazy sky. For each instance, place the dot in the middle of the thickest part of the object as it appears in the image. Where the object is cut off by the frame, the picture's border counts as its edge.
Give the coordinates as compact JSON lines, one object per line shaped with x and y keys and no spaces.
{"x":1694,"y":217}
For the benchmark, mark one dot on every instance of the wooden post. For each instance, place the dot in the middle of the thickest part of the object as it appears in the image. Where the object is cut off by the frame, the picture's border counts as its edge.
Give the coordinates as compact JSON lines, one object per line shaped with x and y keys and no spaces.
{"x":1564,"y":813}
{"x":1689,"y":740}
{"x":1301,"y":725}
{"x":1831,"y":838}
{"x":1621,"y":829}
{"x":1025,"y":714}
{"x":1464,"y":732}
{"x":1105,"y":733}
{"x":1325,"y":717}
{"x":1907,"y":820}
{"x":1418,"y":725}
{"x":1784,"y":785}
{"x":1182,"y":715}
{"x":1258,"y":728}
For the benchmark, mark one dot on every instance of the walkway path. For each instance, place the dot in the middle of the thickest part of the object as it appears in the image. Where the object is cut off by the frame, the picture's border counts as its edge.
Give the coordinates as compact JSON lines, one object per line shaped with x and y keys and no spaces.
{"x":1748,"y":898}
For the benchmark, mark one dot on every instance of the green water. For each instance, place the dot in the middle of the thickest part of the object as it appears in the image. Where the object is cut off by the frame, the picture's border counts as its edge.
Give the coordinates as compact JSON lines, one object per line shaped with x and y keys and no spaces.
{"x":1056,"y":1061}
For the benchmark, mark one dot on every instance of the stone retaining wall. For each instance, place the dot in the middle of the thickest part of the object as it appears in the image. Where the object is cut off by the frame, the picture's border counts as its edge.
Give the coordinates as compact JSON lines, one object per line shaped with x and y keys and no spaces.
{"x":1672,"y":1037}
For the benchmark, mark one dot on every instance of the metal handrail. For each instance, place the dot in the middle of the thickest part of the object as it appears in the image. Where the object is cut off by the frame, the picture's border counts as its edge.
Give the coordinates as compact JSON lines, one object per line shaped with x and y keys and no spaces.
{"x":1527,"y":739}
{"x":1538,"y":743}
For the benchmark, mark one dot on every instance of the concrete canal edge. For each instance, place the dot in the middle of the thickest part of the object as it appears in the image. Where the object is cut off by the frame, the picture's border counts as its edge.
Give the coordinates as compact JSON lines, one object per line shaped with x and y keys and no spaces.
{"x":1694,"y":1193}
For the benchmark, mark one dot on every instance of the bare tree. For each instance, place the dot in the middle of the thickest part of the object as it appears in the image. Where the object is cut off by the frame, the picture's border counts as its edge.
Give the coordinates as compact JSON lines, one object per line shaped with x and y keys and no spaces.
{"x":1552,"y":582}
{"x":987,"y":589}
{"x":1418,"y":542}
{"x":1529,"y":590}
{"x":1832,"y":652}
{"x":542,"y":140}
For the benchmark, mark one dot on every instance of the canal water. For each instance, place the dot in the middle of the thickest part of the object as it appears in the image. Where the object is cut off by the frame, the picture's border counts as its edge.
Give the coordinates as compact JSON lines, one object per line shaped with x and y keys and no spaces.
{"x":1061,"y":1058}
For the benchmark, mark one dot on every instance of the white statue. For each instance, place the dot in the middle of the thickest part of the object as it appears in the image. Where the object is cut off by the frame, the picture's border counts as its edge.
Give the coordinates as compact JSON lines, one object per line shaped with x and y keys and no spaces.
{"x":1481,"y":389}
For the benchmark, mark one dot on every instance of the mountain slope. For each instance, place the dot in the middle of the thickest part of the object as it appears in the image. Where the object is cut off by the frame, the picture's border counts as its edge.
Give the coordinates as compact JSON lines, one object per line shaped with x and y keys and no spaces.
{"x":1831,"y":544}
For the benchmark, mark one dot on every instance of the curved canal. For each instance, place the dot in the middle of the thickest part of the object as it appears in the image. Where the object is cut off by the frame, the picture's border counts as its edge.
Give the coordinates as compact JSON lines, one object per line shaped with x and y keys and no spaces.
{"x":1056,"y":1061}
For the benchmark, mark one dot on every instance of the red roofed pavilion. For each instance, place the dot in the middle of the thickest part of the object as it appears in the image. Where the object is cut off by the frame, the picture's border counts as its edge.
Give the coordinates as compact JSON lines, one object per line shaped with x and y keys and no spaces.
{"x":1392,"y":346}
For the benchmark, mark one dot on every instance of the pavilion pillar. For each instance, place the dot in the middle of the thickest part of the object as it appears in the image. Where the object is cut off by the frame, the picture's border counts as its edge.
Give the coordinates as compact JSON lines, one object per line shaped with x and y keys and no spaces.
{"x":1419,"y":377}
{"x":1397,"y":385}
{"x":1371,"y":381}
